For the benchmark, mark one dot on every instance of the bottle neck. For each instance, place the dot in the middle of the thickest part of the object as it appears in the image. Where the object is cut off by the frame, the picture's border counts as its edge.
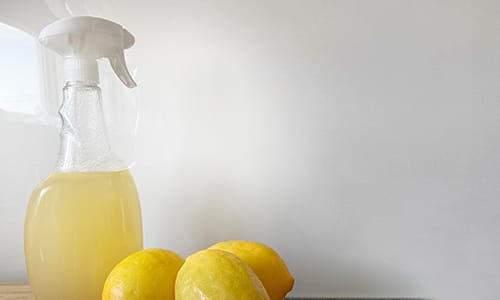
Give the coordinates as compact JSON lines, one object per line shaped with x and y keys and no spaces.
{"x":84,"y":141}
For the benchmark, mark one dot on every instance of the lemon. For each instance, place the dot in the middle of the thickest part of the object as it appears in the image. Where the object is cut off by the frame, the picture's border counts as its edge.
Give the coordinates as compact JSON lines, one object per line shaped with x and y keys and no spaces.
{"x":144,"y":275}
{"x":265,"y":262}
{"x":217,"y":275}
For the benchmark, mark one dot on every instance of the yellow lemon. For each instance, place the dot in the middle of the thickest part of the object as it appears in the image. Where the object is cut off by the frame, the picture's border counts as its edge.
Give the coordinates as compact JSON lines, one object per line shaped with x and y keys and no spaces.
{"x":265,"y":262}
{"x":144,"y":275}
{"x":217,"y":275}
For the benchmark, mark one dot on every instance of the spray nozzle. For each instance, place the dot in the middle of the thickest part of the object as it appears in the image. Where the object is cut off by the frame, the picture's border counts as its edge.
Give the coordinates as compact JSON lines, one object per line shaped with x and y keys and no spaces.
{"x":82,"y":40}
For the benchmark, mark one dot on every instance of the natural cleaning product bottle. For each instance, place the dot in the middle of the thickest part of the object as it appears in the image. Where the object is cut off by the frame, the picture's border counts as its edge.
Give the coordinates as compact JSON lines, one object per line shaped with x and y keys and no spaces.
{"x":86,"y":216}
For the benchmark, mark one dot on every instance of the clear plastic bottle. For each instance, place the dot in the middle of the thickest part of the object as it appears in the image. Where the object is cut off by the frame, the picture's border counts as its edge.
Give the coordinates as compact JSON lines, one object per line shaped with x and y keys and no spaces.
{"x":86,"y":216}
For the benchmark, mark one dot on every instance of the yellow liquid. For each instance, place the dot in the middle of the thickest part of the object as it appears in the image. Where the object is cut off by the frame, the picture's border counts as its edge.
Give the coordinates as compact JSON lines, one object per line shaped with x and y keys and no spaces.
{"x":78,"y":226}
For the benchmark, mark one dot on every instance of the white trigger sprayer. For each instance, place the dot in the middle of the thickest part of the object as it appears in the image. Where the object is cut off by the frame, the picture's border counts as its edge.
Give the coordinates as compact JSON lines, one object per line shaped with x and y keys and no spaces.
{"x":82,"y":40}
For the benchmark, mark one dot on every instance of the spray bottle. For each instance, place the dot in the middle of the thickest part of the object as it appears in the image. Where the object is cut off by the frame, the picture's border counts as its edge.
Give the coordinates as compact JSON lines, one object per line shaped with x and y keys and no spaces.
{"x":86,"y":216}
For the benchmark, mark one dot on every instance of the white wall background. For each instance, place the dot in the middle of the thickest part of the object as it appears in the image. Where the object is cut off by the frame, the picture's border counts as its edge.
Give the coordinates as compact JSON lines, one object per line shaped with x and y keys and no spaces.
{"x":358,"y":138}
